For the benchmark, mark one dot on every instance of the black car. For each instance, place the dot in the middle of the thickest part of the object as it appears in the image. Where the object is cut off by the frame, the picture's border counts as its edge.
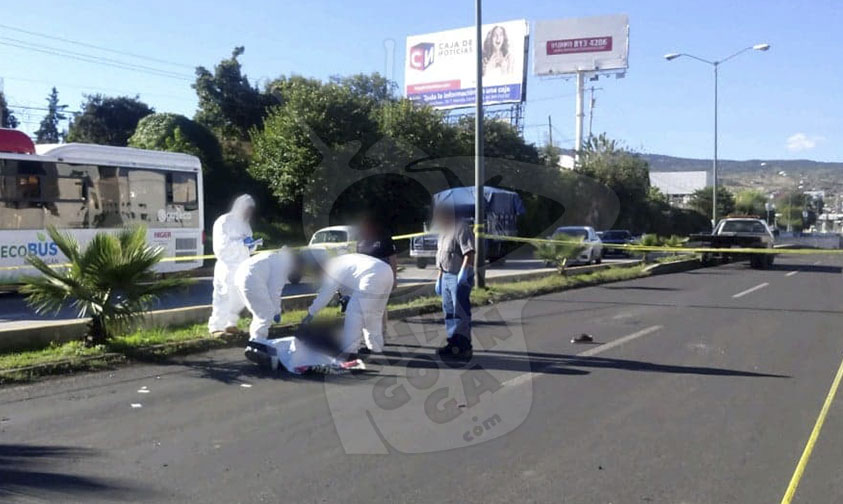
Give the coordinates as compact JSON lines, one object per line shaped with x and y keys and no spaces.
{"x":615,"y":237}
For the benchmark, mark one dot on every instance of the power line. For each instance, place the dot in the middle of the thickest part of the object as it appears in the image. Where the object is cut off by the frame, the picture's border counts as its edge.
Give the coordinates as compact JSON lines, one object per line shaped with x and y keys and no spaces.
{"x":92,"y":46}
{"x":26,"y":107}
{"x":21,"y":44}
{"x":90,"y":88}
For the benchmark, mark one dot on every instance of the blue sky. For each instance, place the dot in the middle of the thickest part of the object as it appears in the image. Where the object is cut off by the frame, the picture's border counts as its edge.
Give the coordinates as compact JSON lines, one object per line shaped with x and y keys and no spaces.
{"x":780,"y":104}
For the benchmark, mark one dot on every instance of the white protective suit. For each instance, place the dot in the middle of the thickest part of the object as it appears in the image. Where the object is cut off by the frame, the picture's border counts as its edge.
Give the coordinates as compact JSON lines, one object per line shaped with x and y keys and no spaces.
{"x":259,"y":281}
{"x":230,"y":250}
{"x":369,"y":282}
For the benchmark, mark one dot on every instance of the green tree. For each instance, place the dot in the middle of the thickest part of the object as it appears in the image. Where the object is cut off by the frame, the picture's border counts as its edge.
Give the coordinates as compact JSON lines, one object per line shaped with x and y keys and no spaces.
{"x":284,"y":155}
{"x":7,"y":117}
{"x":229,"y":104}
{"x":701,"y":201}
{"x":558,"y":252}
{"x":176,"y":133}
{"x":751,"y":202}
{"x":374,"y":86}
{"x":107,"y":120}
{"x":111,"y":280}
{"x":48,"y":131}
{"x":550,"y":154}
{"x":624,"y":172}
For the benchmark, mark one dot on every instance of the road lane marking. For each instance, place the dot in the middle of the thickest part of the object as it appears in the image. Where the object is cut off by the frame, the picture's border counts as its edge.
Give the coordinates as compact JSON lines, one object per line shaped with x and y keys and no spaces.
{"x":812,"y":440}
{"x":751,"y":289}
{"x":791,"y":273}
{"x":518,"y":380}
{"x":618,"y":342}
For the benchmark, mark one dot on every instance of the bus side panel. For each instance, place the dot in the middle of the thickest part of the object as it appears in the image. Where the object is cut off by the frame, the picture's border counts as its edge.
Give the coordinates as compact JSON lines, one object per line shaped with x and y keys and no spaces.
{"x":18,"y":244}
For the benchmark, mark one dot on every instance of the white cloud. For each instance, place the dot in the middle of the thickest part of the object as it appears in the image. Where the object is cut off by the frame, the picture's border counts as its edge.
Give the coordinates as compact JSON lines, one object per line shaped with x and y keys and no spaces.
{"x":799,"y":142}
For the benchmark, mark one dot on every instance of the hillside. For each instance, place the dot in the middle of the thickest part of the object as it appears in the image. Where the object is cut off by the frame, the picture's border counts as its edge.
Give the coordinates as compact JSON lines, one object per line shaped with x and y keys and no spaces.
{"x":761,"y":174}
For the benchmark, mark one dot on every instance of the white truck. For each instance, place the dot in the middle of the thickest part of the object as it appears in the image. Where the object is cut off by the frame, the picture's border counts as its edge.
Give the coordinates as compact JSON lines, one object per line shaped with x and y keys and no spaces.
{"x":738,"y":232}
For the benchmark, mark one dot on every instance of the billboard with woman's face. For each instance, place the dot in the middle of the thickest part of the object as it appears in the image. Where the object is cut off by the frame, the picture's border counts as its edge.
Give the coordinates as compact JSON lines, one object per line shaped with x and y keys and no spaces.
{"x":440,"y":68}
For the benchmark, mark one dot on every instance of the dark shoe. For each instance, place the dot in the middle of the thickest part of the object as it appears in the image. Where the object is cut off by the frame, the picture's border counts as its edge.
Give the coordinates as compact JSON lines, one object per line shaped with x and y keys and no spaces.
{"x":364,"y":351}
{"x":259,"y":354}
{"x":447,"y":350}
{"x":456,"y":352}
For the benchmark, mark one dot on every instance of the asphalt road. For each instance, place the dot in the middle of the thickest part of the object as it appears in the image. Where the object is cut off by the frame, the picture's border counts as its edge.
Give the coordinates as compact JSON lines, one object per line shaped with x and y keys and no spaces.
{"x":14,"y":312}
{"x":701,"y":387}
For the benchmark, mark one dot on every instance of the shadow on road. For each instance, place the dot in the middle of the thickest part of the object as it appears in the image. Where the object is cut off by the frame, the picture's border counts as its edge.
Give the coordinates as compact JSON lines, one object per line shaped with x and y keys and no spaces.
{"x":548,"y":363}
{"x":25,"y":474}
{"x":806,"y":268}
{"x":638,"y":287}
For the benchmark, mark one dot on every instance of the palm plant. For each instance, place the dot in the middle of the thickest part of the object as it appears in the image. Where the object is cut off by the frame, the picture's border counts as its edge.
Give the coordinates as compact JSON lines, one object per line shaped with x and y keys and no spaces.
{"x":558,"y":251}
{"x":111,"y":280}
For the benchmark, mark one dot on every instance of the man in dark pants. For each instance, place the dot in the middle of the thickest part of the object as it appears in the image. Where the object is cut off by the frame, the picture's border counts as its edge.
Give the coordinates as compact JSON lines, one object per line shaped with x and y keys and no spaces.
{"x":454,"y":258}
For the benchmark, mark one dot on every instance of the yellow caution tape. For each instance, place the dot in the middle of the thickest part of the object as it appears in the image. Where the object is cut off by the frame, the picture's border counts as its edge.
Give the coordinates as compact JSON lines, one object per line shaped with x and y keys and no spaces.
{"x":662,"y":248}
{"x":624,"y":248}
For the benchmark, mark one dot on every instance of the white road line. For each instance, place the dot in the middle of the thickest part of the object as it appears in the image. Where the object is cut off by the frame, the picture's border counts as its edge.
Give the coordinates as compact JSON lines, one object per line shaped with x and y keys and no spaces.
{"x":753,"y":289}
{"x":791,"y":273}
{"x":518,"y":380}
{"x":619,"y":341}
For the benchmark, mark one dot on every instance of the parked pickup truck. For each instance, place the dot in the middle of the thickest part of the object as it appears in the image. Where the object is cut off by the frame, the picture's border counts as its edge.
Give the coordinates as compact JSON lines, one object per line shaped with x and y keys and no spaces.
{"x":738,"y":233}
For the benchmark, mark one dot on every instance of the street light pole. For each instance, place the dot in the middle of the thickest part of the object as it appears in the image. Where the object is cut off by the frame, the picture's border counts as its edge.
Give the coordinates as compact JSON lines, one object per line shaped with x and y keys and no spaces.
{"x":716,"y":65}
{"x":479,"y":168}
{"x":714,"y":164}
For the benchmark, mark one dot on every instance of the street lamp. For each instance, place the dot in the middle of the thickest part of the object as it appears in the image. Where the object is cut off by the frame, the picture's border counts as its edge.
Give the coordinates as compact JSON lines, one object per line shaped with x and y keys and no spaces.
{"x":716,"y":64}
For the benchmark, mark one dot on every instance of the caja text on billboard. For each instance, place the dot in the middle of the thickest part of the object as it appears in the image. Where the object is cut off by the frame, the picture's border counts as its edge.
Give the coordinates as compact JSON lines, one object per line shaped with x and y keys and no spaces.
{"x":440,"y":68}
{"x":591,"y":44}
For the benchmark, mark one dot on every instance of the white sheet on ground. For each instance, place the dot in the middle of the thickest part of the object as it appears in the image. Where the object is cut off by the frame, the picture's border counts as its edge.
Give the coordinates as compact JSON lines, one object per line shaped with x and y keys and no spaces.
{"x":298,"y":358}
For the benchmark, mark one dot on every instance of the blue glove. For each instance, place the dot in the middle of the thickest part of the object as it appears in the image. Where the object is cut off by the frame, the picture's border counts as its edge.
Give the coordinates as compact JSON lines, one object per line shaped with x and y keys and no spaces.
{"x":252,"y":243}
{"x":437,"y":289}
{"x":277,"y":318}
{"x":466,"y":277}
{"x":307,"y":319}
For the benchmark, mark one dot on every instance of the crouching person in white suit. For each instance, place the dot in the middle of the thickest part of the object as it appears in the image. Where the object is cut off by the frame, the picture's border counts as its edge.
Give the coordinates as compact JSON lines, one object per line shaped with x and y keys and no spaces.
{"x":260,"y":281}
{"x":368,"y":282}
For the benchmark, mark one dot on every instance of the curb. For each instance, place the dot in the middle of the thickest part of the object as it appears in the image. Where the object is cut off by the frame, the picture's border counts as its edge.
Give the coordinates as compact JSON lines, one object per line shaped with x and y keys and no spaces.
{"x":674,"y":267}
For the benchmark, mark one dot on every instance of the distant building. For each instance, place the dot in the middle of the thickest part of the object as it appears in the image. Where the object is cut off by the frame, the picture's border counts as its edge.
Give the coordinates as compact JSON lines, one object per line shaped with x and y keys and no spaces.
{"x":678,"y":186}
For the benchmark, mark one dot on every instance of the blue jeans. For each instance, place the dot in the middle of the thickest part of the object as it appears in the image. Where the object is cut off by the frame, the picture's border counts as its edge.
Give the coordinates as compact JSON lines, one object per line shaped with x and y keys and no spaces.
{"x":456,"y":304}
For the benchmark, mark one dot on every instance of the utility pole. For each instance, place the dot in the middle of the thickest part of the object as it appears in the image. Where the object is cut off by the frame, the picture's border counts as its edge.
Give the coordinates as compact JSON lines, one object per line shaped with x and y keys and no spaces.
{"x":479,"y":168}
{"x":592,"y":89}
{"x":550,"y":131}
{"x":579,"y":116}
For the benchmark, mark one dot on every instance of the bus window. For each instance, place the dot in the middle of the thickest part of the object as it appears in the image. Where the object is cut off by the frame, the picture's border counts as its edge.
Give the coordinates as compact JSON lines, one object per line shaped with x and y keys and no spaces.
{"x":112,"y":191}
{"x":28,"y":187}
{"x":147,"y":190}
{"x":181,"y":190}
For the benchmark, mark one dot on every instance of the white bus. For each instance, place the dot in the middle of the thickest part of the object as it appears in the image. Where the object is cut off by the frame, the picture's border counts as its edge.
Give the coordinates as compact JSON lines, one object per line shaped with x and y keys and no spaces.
{"x":86,"y":189}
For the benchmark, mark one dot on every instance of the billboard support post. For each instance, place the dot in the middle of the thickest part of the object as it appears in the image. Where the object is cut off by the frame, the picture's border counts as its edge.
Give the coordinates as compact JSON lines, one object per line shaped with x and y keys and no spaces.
{"x":580,"y":115}
{"x":479,"y":168}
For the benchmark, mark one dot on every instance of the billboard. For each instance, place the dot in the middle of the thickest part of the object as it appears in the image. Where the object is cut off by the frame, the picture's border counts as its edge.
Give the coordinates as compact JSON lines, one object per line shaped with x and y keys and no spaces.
{"x":440,"y":68}
{"x":565,"y":46}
